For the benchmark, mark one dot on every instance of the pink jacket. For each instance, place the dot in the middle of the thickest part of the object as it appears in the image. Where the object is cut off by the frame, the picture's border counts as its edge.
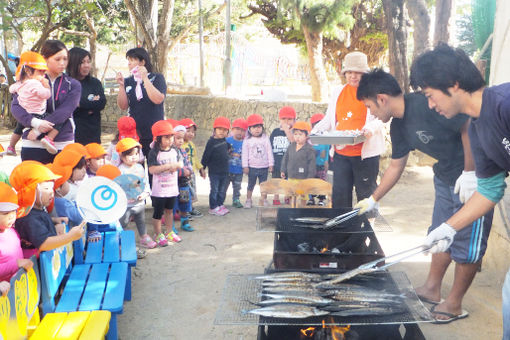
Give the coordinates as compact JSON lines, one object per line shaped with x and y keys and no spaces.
{"x":32,"y":95}
{"x":10,"y":252}
{"x":257,"y":152}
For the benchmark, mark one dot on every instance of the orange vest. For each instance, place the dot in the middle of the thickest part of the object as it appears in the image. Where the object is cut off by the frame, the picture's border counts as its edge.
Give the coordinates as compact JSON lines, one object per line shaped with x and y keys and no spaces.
{"x":351,"y":114}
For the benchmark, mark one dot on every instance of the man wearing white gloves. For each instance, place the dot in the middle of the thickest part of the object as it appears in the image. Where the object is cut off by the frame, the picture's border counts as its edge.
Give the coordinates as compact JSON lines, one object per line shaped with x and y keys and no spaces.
{"x":444,"y":75}
{"x":416,"y":126}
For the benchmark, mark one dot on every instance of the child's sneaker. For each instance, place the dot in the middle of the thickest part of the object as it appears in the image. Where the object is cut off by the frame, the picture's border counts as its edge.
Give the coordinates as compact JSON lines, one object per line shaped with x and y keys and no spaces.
{"x":237,"y":204}
{"x":49,"y":145}
{"x":311,"y":201}
{"x":11,"y":151}
{"x":277,"y":202}
{"x":216,"y":211}
{"x":173,"y":237}
{"x":140,"y":253}
{"x":148,"y":242}
{"x":161,"y":240}
{"x":187,"y":227}
{"x":224,"y":209}
{"x":321,"y":203}
{"x":248,"y":204}
{"x":196,"y":213}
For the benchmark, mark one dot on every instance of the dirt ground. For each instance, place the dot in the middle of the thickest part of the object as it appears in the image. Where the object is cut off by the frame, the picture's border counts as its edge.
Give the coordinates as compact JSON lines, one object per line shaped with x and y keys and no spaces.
{"x":177,"y":289}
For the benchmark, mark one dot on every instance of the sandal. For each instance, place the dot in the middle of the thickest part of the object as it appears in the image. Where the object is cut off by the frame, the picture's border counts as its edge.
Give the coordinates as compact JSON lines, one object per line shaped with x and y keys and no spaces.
{"x":94,"y":236}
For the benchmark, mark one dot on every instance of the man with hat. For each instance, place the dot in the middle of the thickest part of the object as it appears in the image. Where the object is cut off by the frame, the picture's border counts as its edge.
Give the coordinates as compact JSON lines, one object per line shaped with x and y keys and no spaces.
{"x":353,"y":165}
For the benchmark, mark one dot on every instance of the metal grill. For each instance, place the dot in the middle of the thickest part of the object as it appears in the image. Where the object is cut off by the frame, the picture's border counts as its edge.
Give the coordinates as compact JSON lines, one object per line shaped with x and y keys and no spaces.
{"x":240,"y":289}
{"x":271,"y":219}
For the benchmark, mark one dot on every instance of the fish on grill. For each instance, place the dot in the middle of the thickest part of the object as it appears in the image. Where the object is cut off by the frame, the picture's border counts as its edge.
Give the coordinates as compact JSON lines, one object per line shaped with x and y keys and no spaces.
{"x":370,"y":311}
{"x":309,"y":220}
{"x":313,"y":300}
{"x":298,"y":291}
{"x":291,"y":276}
{"x":288,"y":311}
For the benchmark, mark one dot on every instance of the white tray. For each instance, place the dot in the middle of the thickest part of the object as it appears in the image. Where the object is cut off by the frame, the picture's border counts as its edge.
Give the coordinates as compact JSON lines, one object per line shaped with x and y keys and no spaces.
{"x":325,"y":139}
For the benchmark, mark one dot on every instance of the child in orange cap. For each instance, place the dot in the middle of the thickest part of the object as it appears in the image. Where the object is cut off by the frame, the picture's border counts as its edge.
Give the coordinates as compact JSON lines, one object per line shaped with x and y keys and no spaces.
{"x":34,"y":184}
{"x":164,"y":165}
{"x":70,"y":157}
{"x":191,"y":151}
{"x":235,"y":176}
{"x":33,"y":89}
{"x":129,"y":151}
{"x":96,"y":158}
{"x":126,"y":127}
{"x":11,"y":255}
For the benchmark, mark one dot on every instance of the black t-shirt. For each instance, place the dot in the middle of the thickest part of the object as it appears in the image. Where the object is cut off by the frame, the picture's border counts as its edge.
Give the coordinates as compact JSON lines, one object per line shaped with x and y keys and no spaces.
{"x":35,"y":228}
{"x":279,"y":143}
{"x":144,"y":112}
{"x":426,"y":130}
{"x":489,"y":134}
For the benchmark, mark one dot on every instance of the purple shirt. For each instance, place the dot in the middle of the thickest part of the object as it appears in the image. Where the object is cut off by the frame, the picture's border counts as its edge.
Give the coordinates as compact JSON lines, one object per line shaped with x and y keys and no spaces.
{"x":257,"y":152}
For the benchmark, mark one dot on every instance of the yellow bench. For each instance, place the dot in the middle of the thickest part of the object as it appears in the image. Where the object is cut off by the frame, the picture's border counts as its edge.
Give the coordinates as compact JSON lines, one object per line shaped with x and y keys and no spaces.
{"x":74,"y":325}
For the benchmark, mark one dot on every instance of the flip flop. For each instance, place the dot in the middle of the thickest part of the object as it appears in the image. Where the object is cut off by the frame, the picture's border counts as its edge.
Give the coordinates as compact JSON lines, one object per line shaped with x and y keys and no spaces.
{"x":452,"y":317}
{"x":432,"y":302}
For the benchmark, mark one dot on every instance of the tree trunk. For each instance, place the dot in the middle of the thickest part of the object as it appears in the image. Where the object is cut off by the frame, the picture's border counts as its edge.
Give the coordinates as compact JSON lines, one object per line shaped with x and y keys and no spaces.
{"x":318,"y":78}
{"x":92,"y":43}
{"x":417,"y":10}
{"x":397,"y":41}
{"x":443,"y":14}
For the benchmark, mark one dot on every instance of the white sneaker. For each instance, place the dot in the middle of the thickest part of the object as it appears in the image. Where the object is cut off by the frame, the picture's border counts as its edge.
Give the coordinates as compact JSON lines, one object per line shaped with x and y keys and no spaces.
{"x":216,"y":211}
{"x":248,"y":204}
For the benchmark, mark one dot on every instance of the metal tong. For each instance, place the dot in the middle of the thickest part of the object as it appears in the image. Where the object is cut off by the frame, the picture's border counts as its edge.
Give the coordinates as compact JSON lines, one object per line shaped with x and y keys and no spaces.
{"x":332,"y":222}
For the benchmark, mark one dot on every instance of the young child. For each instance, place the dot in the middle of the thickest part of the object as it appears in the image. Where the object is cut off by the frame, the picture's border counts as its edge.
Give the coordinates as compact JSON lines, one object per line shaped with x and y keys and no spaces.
{"x":235,"y":176}
{"x":321,"y":161}
{"x":183,"y":202}
{"x":280,"y":138}
{"x":129,"y":150}
{"x":33,"y":89}
{"x":215,"y":157}
{"x":192,"y":153}
{"x":163,"y":164}
{"x":257,"y":157}
{"x":34,"y":184}
{"x":126,"y":127}
{"x":96,"y":158}
{"x":72,"y":157}
{"x":11,"y":255}
{"x":299,"y":159}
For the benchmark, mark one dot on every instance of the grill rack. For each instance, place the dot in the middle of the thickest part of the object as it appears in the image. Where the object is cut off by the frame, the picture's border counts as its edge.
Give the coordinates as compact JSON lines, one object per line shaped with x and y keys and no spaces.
{"x":267,"y":221}
{"x":240,"y":289}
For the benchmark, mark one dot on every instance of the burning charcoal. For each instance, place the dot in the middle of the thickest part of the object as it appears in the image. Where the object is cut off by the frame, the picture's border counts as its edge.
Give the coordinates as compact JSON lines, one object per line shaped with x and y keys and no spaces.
{"x":303,"y":247}
{"x":315,"y":250}
{"x":335,"y":251}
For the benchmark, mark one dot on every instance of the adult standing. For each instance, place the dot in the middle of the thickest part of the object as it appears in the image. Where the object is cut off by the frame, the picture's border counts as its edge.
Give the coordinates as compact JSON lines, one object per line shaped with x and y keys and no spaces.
{"x":453,"y":84}
{"x":59,"y":109}
{"x":87,"y":115}
{"x":353,"y":165}
{"x":142,"y":94}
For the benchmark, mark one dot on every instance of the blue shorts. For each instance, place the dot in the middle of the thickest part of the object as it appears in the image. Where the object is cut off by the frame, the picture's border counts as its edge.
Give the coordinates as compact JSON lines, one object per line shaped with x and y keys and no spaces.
{"x":470,"y":243}
{"x":255,"y":173}
{"x":183,"y":203}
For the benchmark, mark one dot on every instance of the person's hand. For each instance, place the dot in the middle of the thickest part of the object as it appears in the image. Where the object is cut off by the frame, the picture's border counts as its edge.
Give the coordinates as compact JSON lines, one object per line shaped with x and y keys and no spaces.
{"x":282,"y":175}
{"x":246,"y":171}
{"x":60,"y":228}
{"x":367,"y":133}
{"x":77,"y":232}
{"x":202,"y":173}
{"x":32,"y":135}
{"x":465,"y":185}
{"x":142,"y":196}
{"x":44,"y":81}
{"x":96,"y":97}
{"x":186,"y":172}
{"x":25,"y":263}
{"x":5,"y":287}
{"x":444,"y":235}
{"x":119,"y":78}
{"x":45,"y":126}
{"x":366,"y":205}
{"x":142,"y":71}
{"x":63,"y":219}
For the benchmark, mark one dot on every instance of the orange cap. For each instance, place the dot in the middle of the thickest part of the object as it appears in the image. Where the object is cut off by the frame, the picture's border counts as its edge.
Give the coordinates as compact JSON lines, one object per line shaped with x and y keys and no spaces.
{"x":127,"y":128}
{"x":287,"y":112}
{"x":95,"y":150}
{"x":79,"y":148}
{"x":254,"y":119}
{"x":240,"y":123}
{"x":109,"y":171}
{"x":126,"y":144}
{"x":62,"y":170}
{"x":187,"y":123}
{"x":2,"y":150}
{"x":162,"y":128}
{"x":31,"y":59}
{"x":316,"y":118}
{"x":69,"y":158}
{"x":24,"y":179}
{"x":300,"y":125}
{"x":8,"y":198}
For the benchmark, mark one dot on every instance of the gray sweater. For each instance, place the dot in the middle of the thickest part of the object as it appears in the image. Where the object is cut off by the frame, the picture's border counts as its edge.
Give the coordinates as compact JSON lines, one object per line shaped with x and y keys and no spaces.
{"x":299,"y":164}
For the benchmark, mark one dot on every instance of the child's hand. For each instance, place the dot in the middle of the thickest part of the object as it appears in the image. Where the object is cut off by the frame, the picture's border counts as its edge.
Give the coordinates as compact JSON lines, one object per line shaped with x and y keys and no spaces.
{"x":202,"y":173}
{"x":5,"y":287}
{"x":142,"y":196}
{"x":186,"y":172}
{"x":32,"y":135}
{"x":367,"y":133}
{"x":45,"y":82}
{"x":282,"y":175}
{"x":270,"y":169}
{"x":96,"y":97}
{"x":25,"y":263}
{"x":246,"y":171}
{"x":77,"y":232}
{"x":60,"y":228}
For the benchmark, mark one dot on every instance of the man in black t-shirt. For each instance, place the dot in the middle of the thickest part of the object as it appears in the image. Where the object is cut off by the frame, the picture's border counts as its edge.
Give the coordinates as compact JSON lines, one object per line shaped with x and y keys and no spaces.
{"x":415,"y":126}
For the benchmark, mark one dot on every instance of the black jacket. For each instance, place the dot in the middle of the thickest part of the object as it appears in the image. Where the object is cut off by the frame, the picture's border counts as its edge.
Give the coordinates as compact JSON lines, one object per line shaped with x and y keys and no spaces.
{"x":216,"y":155}
{"x":87,"y":116}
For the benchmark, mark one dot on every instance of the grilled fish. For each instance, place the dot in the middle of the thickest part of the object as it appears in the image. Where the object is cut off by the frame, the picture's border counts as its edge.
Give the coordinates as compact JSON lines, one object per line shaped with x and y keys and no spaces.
{"x":369,"y":311}
{"x":288,"y":311}
{"x":309,"y":220}
{"x":298,"y":291}
{"x":294,"y":283}
{"x":296,"y":298}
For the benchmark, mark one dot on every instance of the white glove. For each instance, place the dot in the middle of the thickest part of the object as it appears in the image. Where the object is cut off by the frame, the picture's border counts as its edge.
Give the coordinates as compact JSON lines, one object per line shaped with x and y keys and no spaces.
{"x":465,"y":185}
{"x":444,"y":234}
{"x":366,"y":205}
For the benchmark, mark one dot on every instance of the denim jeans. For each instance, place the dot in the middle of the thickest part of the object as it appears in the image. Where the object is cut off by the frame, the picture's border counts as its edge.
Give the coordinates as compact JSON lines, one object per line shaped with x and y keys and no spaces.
{"x":506,"y":307}
{"x":236,"y":180}
{"x":218,"y":189}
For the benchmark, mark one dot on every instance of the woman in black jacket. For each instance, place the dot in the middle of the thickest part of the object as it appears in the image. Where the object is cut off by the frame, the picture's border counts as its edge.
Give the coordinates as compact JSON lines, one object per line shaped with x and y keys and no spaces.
{"x":87,"y":115}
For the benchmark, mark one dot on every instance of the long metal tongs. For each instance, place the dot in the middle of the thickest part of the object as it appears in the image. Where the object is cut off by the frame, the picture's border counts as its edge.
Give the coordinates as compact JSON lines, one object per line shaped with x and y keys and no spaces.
{"x":370,"y":267}
{"x":332,"y":222}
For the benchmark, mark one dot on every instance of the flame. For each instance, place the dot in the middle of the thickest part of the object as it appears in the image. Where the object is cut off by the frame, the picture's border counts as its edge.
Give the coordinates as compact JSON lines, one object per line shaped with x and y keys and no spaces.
{"x":308,"y":332}
{"x":338,"y":333}
{"x":325,"y":249}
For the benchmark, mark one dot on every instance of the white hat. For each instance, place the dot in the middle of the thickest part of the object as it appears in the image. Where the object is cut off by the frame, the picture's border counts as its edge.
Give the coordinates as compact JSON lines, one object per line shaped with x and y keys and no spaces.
{"x":355,"y":62}
{"x":179,"y":128}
